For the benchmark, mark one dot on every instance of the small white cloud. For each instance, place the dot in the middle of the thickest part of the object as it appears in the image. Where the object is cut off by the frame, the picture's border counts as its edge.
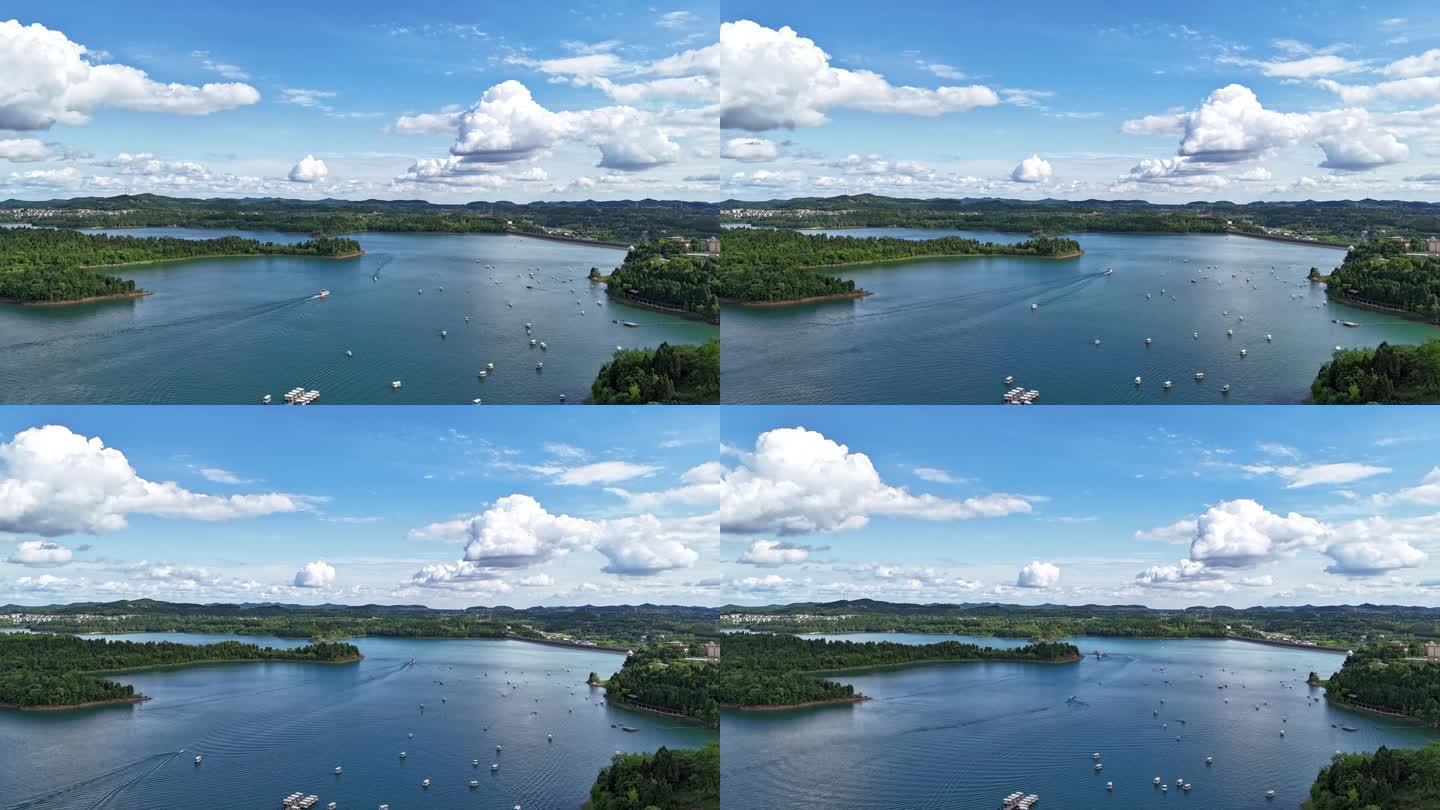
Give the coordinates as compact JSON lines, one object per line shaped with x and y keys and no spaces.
{"x":1037,"y":574}
{"x":316,"y":574}
{"x":310,"y":169}
{"x":750,"y":150}
{"x":1033,"y":169}
{"x":40,"y":554}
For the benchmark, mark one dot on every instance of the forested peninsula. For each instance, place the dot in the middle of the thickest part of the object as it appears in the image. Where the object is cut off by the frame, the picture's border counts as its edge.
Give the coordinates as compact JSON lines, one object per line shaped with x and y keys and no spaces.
{"x":1389,"y":779}
{"x":666,"y":276}
{"x":767,"y":267}
{"x":666,"y":375}
{"x":49,"y":672}
{"x":1386,"y":276}
{"x":771,"y":672}
{"x":1391,"y":679}
{"x":669,"y":679}
{"x":53,"y":265}
{"x":669,"y":779}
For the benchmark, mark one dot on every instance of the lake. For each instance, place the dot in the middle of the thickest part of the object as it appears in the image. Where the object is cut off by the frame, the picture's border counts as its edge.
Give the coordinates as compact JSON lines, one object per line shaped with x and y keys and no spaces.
{"x":268,"y":730}
{"x":952,"y":330}
{"x":968,"y":734}
{"x":232,"y":330}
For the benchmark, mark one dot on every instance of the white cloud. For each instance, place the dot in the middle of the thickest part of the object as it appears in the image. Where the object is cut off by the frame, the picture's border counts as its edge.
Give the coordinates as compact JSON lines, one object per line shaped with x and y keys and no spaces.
{"x":934,"y":475}
{"x":1037,"y":574}
{"x":605,"y":472}
{"x":1298,"y":476}
{"x":222,"y":476}
{"x":56,"y":482}
{"x":677,"y":19}
{"x":310,"y":169}
{"x":228,"y":71}
{"x":315,"y":574}
{"x":1186,"y":574}
{"x":774,"y":553}
{"x":303,"y":97}
{"x":1425,"y":64}
{"x":45,"y":583}
{"x":50,"y":80}
{"x":1427,"y":492}
{"x":776,"y":79}
{"x":1309,"y":67}
{"x":750,"y":150}
{"x":1181,"y":531}
{"x":22,"y":150}
{"x":798,"y":481}
{"x":1231,"y":125}
{"x":536,"y":581}
{"x":1033,"y":169}
{"x":40,"y":554}
{"x":1241,"y":533}
{"x":1368,"y":557}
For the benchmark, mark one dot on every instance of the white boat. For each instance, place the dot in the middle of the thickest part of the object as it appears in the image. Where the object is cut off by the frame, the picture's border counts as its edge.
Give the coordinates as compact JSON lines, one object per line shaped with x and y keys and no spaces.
{"x":1269,"y":794}
{"x":1034,"y":307}
{"x":337,"y":770}
{"x":1109,"y":785}
{"x":349,"y":353}
{"x":395,"y":384}
{"x":323,"y":294}
{"x":474,"y":783}
{"x":490,"y":366}
{"x":543,"y":346}
{"x":1109,"y":270}
{"x":1167,"y":383}
{"x":1008,"y":379}
{"x":494,"y":766}
{"x":1137,"y":380}
{"x":265,"y":399}
{"x":1097,"y":341}
{"x":1244,"y":352}
{"x":477,"y":401}
{"x":1225,"y":389}
{"x":197,"y":759}
{"x":1268,"y":338}
{"x":483,"y":372}
{"x":1148,"y":341}
{"x":1229,"y":332}
{"x":539,"y":365}
{"x":443,"y":333}
{"x":402,"y":754}
{"x":1199,"y":375}
{"x":425,"y":783}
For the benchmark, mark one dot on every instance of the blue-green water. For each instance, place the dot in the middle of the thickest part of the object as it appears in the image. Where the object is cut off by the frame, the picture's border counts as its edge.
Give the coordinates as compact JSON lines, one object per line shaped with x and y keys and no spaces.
{"x":967,"y":734}
{"x":232,"y":330}
{"x":268,"y":730}
{"x":951,"y":331}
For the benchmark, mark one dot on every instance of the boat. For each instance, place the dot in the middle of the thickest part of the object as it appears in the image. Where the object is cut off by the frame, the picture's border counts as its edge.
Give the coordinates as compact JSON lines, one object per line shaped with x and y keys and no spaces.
{"x":402,"y":754}
{"x":265,"y":399}
{"x":1008,"y":379}
{"x":1244,"y":352}
{"x":1348,"y":728}
{"x":395,"y":384}
{"x":443,"y":333}
{"x":1350,"y":324}
{"x":1097,"y":341}
{"x":1034,"y":307}
{"x":474,"y":783}
{"x":1157,"y":780}
{"x":494,"y":766}
{"x":1108,"y":271}
{"x":630,"y":324}
{"x":1269,"y":794}
{"x":1098,"y":766}
{"x":539,"y":365}
{"x":425,"y":783}
{"x":198,"y":758}
{"x":349,"y":353}
{"x":337,"y":770}
{"x":1137,"y":380}
{"x":1167,"y":384}
{"x":1199,"y":375}
{"x":1209,"y":760}
{"x":482,"y":373}
{"x":1148,"y":341}
{"x":490,"y":366}
{"x":1225,"y":389}
{"x":1109,"y":785}
{"x":1268,"y":338}
{"x":323,"y":294}
{"x":543,"y":346}
{"x":629,"y":728}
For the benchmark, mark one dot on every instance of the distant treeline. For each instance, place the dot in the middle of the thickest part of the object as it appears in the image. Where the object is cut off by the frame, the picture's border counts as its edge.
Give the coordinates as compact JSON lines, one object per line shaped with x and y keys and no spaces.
{"x":627,"y":222}
{"x":1381,"y":273}
{"x":1338,"y":221}
{"x":767,"y":669}
{"x":662,"y":274}
{"x":1379,"y":676}
{"x":1389,"y":779}
{"x":46,"y":669}
{"x":673,"y":375}
{"x":50,"y":264}
{"x":669,"y":779}
{"x":1388,"y":375}
{"x":659,"y":677}
{"x":763,"y":264}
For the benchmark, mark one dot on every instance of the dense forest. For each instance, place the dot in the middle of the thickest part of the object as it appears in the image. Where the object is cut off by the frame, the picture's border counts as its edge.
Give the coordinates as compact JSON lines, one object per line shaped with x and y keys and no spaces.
{"x":659,"y":677}
{"x":762,"y":264}
{"x":625,"y":222}
{"x":670,"y":375}
{"x":1386,"y":374}
{"x":678,"y":779}
{"x":1342,"y":626}
{"x":50,"y":264}
{"x":662,"y":274}
{"x":1389,"y":779}
{"x":1381,"y":273}
{"x":767,"y":669}
{"x":47,"y":669}
{"x":1378,"y":676}
{"x":1337,"y":221}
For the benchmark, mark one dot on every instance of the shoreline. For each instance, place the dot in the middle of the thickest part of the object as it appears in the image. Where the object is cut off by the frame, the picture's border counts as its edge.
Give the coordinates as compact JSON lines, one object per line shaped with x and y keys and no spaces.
{"x":1270,"y":643}
{"x":622,"y":704}
{"x":94,"y":299}
{"x":927,"y":661}
{"x":1291,"y":239}
{"x":91,"y":704}
{"x":550,"y":643}
{"x":1399,"y":313}
{"x":577,"y":240}
{"x":351,"y":255}
{"x":684,"y":314}
{"x":1062,"y":256}
{"x":809,"y":299}
{"x":1404,"y":718}
{"x":207,"y":662}
{"x":809,"y":704}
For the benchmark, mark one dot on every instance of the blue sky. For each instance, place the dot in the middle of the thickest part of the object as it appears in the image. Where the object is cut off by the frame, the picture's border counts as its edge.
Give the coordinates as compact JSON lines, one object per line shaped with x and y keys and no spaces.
{"x":1354,"y":87}
{"x":1157,"y":506}
{"x":435,"y":505}
{"x":342,"y":82}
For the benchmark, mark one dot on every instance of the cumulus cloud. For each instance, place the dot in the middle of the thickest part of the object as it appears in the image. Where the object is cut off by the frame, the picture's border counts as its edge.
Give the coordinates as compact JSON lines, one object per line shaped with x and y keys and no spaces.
{"x":777,"y":79}
{"x":798,"y":481}
{"x":315,"y":574}
{"x":750,"y":150}
{"x":774,"y":553}
{"x":517,"y":532}
{"x":40,"y":554}
{"x":22,"y":150}
{"x":1231,"y":125}
{"x":310,"y":169}
{"x":1363,"y":558}
{"x":1181,"y":531}
{"x":54,"y":481}
{"x":1033,"y":169}
{"x":1242,"y":533}
{"x":1037,"y":574}
{"x":50,"y":79}
{"x":1184,"y":575}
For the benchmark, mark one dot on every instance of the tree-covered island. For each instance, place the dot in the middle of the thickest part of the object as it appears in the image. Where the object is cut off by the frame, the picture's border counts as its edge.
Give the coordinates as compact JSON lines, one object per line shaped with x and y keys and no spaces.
{"x":48,"y":671}
{"x":666,"y":276}
{"x":669,"y":375}
{"x":767,"y":267}
{"x":669,"y":779}
{"x":1389,"y":779}
{"x":771,"y":672}
{"x":54,"y":266}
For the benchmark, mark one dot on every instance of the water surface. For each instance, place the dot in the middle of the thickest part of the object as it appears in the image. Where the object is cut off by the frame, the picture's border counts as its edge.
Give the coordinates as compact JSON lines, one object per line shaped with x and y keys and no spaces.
{"x":232,"y":330}
{"x":268,"y":730}
{"x":952,"y":330}
{"x":967,"y":734}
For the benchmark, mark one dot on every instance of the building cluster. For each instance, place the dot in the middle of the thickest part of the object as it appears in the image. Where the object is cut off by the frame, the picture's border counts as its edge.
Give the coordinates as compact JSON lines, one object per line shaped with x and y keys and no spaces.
{"x":43,"y":213}
{"x":64,"y":618}
{"x":1432,"y":651}
{"x":1432,"y":246}
{"x":766,"y":213}
{"x":765,"y":618}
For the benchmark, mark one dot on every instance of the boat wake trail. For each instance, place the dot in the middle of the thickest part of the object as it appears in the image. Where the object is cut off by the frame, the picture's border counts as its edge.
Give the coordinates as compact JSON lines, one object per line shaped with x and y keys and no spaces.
{"x":231,"y":314}
{"x":71,"y":795}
